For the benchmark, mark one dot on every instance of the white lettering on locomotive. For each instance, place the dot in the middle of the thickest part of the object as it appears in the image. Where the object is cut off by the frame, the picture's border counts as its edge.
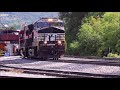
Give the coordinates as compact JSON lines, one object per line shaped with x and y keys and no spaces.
{"x":51,"y":37}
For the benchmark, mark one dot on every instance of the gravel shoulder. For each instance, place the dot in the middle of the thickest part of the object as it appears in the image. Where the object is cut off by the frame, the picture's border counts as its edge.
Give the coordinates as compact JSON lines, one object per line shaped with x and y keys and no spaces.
{"x":16,"y":61}
{"x":22,"y":75}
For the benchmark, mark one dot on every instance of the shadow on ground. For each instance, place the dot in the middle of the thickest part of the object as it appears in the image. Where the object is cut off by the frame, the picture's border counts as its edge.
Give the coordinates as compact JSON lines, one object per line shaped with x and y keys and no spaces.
{"x":17,"y":61}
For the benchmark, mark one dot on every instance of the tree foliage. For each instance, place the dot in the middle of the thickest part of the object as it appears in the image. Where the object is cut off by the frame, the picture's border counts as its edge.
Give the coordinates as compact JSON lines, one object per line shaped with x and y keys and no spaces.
{"x":72,"y":22}
{"x":112,"y":30}
{"x":93,"y":32}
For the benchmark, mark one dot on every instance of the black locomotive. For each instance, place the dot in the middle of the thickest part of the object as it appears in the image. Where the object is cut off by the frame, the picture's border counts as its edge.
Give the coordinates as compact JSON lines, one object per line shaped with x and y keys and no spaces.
{"x":43,"y":39}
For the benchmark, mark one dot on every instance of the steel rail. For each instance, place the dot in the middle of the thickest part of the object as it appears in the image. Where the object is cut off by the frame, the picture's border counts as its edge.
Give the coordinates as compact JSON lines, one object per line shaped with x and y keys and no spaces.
{"x":66,"y":74}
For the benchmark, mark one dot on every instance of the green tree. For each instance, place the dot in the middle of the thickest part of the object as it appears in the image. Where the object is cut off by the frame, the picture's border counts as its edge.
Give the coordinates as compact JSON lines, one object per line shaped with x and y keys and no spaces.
{"x":106,"y":33}
{"x":89,"y":37}
{"x":111,"y":24}
{"x":92,"y":33}
{"x":72,"y":22}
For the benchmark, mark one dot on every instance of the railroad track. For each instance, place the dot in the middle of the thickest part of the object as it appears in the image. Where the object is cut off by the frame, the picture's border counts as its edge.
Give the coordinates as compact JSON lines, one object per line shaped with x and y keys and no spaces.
{"x":64,"y":74}
{"x":104,"y":63}
{"x":5,"y":77}
{"x":8,"y":77}
{"x":93,"y":62}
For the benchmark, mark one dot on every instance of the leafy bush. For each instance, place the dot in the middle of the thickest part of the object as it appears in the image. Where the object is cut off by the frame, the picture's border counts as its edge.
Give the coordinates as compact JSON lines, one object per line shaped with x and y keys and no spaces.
{"x":74,"y":48}
{"x":111,"y":55}
{"x":97,"y":32}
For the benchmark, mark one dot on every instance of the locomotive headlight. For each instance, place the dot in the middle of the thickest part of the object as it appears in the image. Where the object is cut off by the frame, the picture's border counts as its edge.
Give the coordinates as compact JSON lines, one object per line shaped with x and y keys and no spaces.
{"x":59,"y":42}
{"x":45,"y":42}
{"x":50,"y":20}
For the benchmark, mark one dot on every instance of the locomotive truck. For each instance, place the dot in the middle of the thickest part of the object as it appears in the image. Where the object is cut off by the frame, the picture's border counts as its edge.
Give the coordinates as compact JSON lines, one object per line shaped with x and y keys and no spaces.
{"x":43,"y":39}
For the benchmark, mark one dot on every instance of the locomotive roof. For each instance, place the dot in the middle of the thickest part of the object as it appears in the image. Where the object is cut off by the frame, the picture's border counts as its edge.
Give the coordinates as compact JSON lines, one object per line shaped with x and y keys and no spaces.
{"x":8,"y":31}
{"x":46,"y":20}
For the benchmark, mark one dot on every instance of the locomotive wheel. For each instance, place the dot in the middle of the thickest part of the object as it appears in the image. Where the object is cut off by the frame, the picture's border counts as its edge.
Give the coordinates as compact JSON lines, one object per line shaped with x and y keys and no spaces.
{"x":55,"y":58}
{"x":45,"y":58}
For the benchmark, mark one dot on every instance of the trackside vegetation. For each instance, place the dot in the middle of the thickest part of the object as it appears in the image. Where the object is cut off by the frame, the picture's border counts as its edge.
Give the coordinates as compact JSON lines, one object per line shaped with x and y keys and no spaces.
{"x":92,"y":33}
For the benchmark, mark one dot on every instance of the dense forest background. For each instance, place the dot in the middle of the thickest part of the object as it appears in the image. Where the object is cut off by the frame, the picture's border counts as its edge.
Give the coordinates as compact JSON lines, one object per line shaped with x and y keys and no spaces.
{"x":91,"y":33}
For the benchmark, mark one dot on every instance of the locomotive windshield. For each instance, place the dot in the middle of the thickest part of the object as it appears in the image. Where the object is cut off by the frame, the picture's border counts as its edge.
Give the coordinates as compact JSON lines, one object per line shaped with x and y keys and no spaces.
{"x":57,"y":24}
{"x":51,"y":30}
{"x":49,"y":24}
